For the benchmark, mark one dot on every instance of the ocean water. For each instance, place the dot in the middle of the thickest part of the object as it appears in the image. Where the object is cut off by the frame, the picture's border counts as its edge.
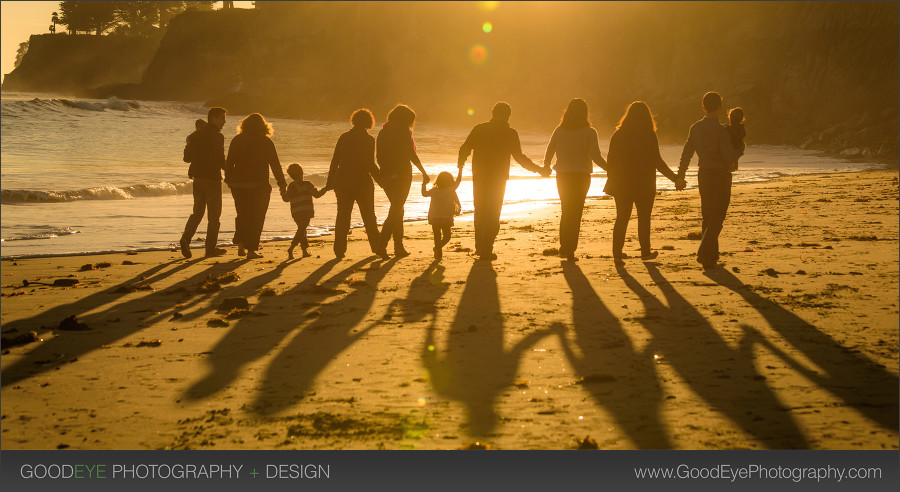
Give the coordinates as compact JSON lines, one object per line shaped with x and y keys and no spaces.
{"x":83,"y":176}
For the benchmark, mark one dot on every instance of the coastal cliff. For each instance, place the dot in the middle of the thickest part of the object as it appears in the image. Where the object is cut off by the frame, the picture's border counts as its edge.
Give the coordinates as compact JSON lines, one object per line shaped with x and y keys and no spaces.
{"x":75,"y":64}
{"x":819,"y":75}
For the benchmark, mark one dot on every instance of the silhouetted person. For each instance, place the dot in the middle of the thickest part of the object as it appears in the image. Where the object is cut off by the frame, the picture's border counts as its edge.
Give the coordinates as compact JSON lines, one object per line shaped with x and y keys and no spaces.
{"x":633,"y":161}
{"x":715,"y":152}
{"x":205,"y":151}
{"x":735,"y":129}
{"x":394,"y":150}
{"x":250,"y":156}
{"x":444,"y":206}
{"x":300,"y":194}
{"x":576,"y":146}
{"x":493,"y":142}
{"x":350,"y":176}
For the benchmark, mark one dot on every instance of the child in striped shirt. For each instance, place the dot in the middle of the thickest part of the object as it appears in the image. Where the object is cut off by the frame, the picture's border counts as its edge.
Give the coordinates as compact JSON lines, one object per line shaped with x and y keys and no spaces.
{"x":300,"y":193}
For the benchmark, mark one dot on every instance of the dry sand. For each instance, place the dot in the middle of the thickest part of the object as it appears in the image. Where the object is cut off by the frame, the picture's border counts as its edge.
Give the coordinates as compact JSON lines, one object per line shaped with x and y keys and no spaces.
{"x":793,"y":344}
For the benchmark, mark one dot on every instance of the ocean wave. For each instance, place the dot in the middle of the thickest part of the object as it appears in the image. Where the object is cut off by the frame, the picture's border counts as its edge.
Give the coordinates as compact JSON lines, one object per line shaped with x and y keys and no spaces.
{"x":12,"y":197}
{"x":38,"y":104}
{"x":18,"y":108}
{"x":46,"y":234}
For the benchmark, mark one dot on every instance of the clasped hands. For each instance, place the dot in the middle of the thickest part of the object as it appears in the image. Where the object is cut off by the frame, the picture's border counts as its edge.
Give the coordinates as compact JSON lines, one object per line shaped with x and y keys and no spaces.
{"x":545,"y":171}
{"x":680,"y":184}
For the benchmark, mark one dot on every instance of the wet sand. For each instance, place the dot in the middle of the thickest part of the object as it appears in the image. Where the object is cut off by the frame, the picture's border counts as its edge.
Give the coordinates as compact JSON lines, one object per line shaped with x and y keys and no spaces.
{"x":793,"y":344}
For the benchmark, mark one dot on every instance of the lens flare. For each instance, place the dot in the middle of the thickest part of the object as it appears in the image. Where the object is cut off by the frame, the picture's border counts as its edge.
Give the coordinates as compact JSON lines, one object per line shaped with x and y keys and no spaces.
{"x":478,"y":54}
{"x":431,"y":348}
{"x":487,"y":27}
{"x":470,"y":111}
{"x":421,"y":401}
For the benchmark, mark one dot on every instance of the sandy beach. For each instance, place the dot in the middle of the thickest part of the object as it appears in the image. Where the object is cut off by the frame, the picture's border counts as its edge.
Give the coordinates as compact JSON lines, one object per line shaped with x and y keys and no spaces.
{"x":792,"y":344}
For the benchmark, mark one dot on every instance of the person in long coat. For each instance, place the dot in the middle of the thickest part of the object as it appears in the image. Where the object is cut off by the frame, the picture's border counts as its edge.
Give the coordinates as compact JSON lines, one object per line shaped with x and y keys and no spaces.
{"x":250,"y":157}
{"x":394,"y":151}
{"x":634,"y":160}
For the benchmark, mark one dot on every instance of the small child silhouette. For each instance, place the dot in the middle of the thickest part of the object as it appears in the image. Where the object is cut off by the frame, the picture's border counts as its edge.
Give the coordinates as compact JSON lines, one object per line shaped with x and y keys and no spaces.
{"x":444,"y":205}
{"x":735,"y":128}
{"x":300,"y":194}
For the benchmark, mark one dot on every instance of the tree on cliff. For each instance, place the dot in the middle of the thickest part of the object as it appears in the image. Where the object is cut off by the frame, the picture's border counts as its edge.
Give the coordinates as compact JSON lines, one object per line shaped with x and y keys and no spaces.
{"x":135,"y":18}
{"x":87,"y":16}
{"x":23,"y":48}
{"x":199,"y":5}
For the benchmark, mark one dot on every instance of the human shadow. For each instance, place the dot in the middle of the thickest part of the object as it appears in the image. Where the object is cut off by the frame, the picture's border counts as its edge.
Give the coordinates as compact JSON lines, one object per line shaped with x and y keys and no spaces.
{"x":725,"y":378}
{"x":618,"y":377}
{"x":119,"y":320}
{"x":856,"y":379}
{"x":56,"y":313}
{"x":422,"y":297}
{"x":476,"y":367}
{"x":252,"y":337}
{"x":333,"y":328}
{"x":248,"y":287}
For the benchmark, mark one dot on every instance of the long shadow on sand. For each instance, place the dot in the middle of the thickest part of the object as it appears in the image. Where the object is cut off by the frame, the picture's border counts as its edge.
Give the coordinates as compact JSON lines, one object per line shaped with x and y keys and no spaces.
{"x":422,"y":296}
{"x":333,"y":329}
{"x":860,"y":382}
{"x":725,"y":378}
{"x":476,"y":367}
{"x":618,"y":377}
{"x":253,"y":337}
{"x":108,"y":325}
{"x":247,"y":288}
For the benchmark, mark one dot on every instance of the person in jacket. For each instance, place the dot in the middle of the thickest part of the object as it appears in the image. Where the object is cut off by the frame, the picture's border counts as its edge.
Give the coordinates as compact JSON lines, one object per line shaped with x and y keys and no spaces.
{"x":716,"y":155}
{"x":205,"y":151}
{"x":350,"y":176}
{"x":493,"y":143}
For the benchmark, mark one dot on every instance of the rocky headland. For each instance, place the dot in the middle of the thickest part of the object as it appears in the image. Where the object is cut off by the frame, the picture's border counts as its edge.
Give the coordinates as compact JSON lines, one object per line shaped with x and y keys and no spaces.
{"x":820,"y":76}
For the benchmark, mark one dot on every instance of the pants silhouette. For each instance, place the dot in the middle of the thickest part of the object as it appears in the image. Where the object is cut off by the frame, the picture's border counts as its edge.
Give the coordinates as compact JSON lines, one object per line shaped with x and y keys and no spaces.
{"x":488,"y":200}
{"x":300,"y":236}
{"x":625,"y":202}
{"x":573,"y":189}
{"x":207,"y":198}
{"x":397,"y":190}
{"x":715,"y":196}
{"x":363,"y":194}
{"x":251,"y":205}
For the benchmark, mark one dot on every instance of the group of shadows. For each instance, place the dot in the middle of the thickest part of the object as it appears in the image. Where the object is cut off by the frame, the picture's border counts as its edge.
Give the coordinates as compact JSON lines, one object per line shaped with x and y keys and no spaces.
{"x":474,"y":367}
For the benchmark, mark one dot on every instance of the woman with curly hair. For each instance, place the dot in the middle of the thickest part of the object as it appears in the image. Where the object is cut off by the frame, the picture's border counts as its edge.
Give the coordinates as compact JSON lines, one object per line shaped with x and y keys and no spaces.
{"x":350,"y":176}
{"x":250,"y":156}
